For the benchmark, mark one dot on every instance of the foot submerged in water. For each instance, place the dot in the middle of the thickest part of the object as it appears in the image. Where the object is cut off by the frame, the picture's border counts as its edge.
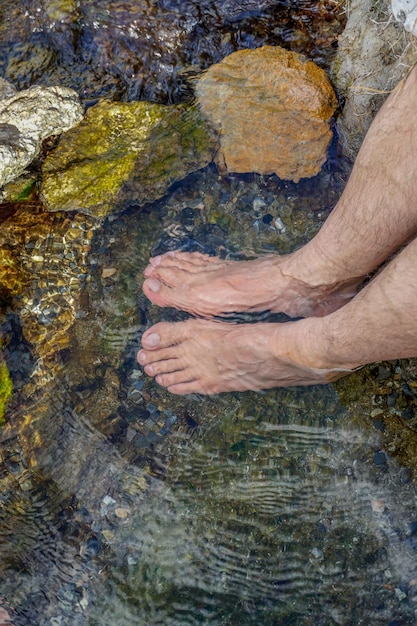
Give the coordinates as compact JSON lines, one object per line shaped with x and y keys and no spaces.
{"x":209,"y":357}
{"x":209,"y":286}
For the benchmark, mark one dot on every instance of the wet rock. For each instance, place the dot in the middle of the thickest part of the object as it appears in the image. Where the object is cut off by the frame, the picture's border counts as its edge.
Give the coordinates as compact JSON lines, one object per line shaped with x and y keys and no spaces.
{"x":42,"y":259}
{"x":12,"y":274}
{"x":374,"y":53}
{"x":27,"y":118}
{"x":20,"y":189}
{"x":271,"y":109}
{"x":123,"y":152}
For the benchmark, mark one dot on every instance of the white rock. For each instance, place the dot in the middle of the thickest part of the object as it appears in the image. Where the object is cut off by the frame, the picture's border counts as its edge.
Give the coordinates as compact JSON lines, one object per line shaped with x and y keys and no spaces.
{"x":405,"y":11}
{"x":374,"y":53}
{"x":27,"y":118}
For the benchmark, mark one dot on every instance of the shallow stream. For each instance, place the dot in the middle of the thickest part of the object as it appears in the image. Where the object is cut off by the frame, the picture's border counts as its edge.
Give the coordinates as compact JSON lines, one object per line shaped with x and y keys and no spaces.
{"x":123,"y":505}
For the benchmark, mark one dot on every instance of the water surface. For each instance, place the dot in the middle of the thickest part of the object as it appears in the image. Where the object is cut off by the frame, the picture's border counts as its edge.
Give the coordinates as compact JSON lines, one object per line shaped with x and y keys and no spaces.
{"x":121,"y":504}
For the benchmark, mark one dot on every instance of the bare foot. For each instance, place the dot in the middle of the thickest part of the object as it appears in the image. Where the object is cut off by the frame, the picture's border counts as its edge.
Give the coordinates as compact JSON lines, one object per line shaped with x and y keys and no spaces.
{"x":208,"y":357}
{"x":209,"y":286}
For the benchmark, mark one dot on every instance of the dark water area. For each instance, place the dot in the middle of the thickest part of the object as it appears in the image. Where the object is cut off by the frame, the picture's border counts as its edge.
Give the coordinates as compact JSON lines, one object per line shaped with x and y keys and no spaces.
{"x":121,"y":504}
{"x":134,"y":50}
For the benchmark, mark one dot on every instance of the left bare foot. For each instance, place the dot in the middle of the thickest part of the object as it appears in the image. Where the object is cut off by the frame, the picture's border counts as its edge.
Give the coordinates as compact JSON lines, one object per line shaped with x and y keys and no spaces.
{"x":208,"y":357}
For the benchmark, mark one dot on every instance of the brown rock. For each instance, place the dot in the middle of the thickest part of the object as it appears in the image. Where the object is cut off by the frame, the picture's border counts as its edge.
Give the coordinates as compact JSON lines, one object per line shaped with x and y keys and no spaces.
{"x":271,"y":108}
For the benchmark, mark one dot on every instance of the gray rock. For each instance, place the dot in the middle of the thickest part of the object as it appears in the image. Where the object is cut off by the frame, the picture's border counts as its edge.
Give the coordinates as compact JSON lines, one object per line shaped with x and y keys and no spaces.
{"x":27,"y":118}
{"x":374,"y":53}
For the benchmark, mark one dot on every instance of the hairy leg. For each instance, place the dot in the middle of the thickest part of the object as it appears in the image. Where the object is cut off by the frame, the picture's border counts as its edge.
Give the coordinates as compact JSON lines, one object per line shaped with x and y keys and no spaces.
{"x":203,"y":356}
{"x":374,"y":217}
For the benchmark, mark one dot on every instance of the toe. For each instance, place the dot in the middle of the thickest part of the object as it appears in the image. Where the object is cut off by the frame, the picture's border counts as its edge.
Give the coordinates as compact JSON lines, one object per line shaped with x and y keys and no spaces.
{"x":183,"y":377}
{"x":183,"y":389}
{"x":157,"y":292}
{"x":168,"y":366}
{"x":163,"y":335}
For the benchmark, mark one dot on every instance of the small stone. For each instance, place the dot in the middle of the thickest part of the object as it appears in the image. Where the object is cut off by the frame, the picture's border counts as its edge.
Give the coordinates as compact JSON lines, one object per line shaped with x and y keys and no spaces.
{"x":135,"y":395}
{"x":378,"y":506}
{"x":188,"y":213}
{"x":317,"y":554}
{"x":380,"y":458}
{"x":121,"y":512}
{"x":108,"y":535}
{"x":399,"y":593}
{"x":108,"y":501}
{"x":376,"y":412}
{"x":279,"y":225}
{"x":108,"y":272}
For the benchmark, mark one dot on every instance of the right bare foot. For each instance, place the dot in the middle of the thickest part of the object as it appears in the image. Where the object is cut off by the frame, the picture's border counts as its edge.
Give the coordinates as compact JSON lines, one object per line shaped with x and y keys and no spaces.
{"x":209,"y":286}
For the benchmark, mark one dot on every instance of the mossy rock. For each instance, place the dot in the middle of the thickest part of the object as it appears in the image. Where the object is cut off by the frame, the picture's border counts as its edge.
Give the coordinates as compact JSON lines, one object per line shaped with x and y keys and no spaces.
{"x":20,"y":189}
{"x":6,"y":389}
{"x":124,"y":152}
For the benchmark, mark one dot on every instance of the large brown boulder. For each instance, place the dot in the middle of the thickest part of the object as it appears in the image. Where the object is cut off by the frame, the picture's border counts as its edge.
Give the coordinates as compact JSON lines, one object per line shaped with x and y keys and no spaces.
{"x":271,"y":108}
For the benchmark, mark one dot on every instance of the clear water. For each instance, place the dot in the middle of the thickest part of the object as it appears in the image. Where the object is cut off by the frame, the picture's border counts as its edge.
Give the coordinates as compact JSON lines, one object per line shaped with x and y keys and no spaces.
{"x":121,"y":504}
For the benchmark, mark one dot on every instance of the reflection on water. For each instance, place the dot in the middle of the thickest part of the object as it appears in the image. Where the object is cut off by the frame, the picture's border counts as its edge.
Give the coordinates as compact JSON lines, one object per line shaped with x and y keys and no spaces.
{"x":125,"y":49}
{"x":121,"y":504}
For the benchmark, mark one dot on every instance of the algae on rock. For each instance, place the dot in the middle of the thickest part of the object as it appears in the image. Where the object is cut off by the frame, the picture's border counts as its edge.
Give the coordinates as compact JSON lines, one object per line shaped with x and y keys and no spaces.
{"x":6,"y":389}
{"x":124,"y":152}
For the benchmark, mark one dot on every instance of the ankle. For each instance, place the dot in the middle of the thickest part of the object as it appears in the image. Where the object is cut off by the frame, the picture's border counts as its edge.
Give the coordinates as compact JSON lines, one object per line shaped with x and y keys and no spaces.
{"x":312,"y":267}
{"x":309,"y":343}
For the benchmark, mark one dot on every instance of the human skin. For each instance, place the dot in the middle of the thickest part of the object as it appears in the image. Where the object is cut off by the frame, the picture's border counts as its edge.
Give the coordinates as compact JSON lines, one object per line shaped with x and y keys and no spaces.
{"x":376,"y":214}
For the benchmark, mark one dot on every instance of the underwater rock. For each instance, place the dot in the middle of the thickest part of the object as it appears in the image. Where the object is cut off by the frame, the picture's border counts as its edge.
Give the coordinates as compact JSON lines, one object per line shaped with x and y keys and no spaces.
{"x":12,"y":275}
{"x":43,"y":270}
{"x":124,"y":153}
{"x":27,"y":118}
{"x":6,"y":89}
{"x":129,"y":50}
{"x":374,"y":53}
{"x":20,"y":189}
{"x":271,"y":108}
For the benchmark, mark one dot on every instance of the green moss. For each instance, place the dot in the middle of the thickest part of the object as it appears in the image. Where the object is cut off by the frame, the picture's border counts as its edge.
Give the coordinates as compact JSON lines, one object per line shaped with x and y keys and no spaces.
{"x":122,"y":151}
{"x":6,"y":389}
{"x":20,"y":189}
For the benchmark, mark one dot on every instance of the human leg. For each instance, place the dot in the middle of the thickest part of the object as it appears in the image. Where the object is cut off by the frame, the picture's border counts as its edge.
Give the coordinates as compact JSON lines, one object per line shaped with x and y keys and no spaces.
{"x":379,"y":323}
{"x":372,"y":219}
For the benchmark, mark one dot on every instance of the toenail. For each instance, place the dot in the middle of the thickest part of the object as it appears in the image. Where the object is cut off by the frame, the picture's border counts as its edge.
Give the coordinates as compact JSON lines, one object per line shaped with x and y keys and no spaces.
{"x":142,"y":356}
{"x":151,"y":340}
{"x":149,"y":370}
{"x":153,"y":284}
